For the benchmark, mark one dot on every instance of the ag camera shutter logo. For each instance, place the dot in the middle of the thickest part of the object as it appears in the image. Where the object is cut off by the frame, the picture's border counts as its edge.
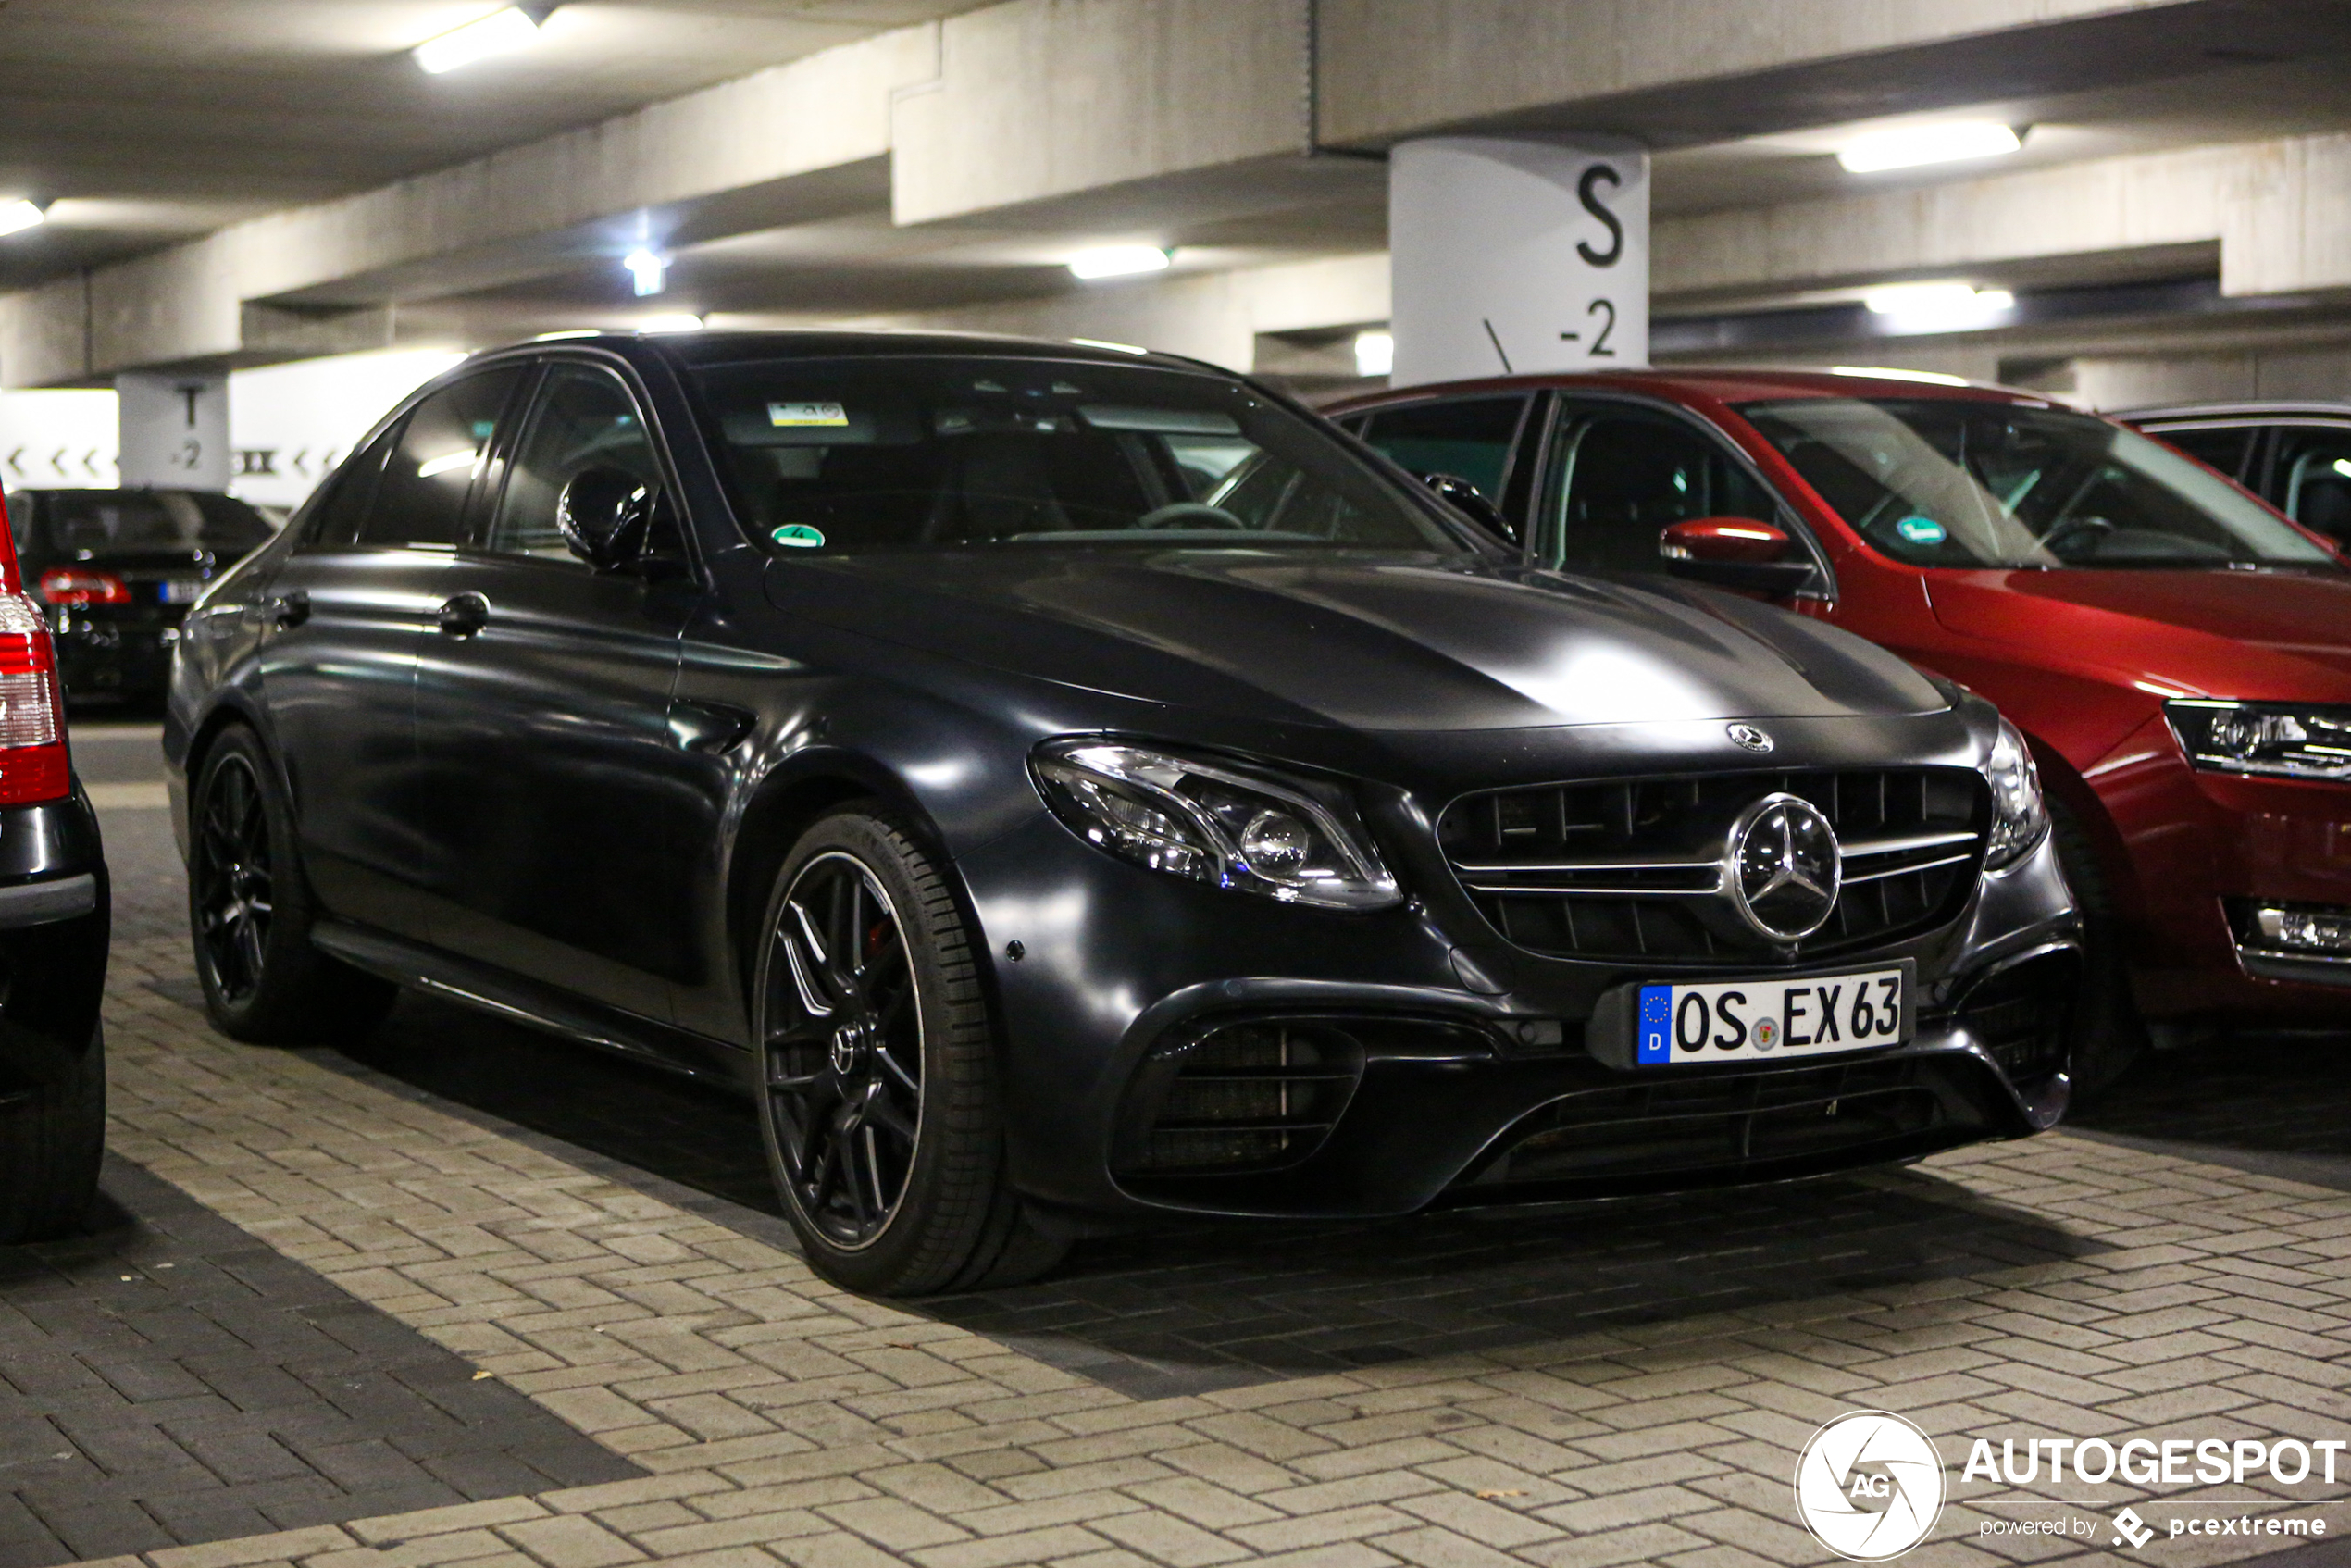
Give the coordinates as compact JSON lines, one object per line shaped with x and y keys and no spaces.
{"x":1869,"y":1486}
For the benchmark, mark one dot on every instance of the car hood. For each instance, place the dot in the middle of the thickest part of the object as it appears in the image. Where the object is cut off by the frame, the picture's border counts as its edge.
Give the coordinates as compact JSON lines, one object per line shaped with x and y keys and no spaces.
{"x":1371,"y":643}
{"x":2275,"y":635}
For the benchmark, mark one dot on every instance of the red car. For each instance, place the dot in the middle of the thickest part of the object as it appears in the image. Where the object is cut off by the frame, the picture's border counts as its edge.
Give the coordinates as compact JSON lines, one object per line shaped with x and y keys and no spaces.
{"x":2178,"y":653}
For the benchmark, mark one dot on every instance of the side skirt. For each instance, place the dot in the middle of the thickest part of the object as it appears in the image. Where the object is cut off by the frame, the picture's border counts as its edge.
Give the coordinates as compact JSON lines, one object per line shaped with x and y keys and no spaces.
{"x":526,"y":1001}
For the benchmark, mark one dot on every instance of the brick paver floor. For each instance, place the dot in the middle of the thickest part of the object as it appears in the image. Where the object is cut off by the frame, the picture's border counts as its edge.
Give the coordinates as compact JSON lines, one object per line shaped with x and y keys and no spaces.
{"x":1627,"y":1383}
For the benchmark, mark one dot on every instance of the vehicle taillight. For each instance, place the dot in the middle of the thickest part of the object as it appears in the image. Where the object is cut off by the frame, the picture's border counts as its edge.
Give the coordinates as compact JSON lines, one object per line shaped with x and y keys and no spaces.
{"x":79,"y":585}
{"x":33,"y":715}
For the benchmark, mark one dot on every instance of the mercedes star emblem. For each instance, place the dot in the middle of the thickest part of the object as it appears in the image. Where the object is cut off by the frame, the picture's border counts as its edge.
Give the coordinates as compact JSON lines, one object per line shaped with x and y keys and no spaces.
{"x":1784,"y":867}
{"x":1746,"y":735}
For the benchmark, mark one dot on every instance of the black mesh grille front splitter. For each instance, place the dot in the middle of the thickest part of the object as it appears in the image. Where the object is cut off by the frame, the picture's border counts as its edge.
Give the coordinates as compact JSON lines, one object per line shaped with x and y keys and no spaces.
{"x":1623,"y":870}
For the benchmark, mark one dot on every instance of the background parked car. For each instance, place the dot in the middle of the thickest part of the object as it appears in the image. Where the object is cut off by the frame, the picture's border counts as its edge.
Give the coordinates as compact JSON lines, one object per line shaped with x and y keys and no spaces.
{"x":1058,"y":782}
{"x":52,"y":942}
{"x":2297,"y":457}
{"x":117,"y":569}
{"x":2178,"y":655}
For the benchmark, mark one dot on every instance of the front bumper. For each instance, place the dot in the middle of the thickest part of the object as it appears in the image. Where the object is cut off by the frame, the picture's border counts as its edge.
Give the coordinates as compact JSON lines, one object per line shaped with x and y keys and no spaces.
{"x":1423,"y":1061}
{"x":54,"y":915}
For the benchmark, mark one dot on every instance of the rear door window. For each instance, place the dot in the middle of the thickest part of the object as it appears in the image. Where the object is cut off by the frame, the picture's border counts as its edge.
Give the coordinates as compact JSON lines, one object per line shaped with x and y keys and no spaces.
{"x":420,"y":496}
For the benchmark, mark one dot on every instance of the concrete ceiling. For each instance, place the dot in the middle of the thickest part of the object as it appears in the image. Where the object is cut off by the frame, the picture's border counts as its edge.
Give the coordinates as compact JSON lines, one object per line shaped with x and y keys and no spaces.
{"x":149,"y":120}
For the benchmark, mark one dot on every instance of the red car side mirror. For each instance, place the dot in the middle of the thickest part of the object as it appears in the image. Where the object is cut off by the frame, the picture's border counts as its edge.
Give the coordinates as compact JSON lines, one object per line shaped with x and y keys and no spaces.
{"x":1736,"y":553}
{"x":1722,"y":538}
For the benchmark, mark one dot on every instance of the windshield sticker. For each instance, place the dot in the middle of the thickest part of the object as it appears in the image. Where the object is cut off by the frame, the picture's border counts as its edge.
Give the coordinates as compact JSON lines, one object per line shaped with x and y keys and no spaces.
{"x":799,"y":536}
{"x":796,"y":416}
{"x":1922,"y":530}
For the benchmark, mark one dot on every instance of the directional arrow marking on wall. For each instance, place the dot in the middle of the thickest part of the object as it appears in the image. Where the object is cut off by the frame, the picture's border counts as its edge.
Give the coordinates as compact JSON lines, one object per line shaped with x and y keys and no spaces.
{"x":16,"y":460}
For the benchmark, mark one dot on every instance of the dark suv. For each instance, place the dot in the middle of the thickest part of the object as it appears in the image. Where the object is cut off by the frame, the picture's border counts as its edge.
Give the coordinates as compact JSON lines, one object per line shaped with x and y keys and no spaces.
{"x":52,"y":942}
{"x":117,"y":569}
{"x":1060,"y":784}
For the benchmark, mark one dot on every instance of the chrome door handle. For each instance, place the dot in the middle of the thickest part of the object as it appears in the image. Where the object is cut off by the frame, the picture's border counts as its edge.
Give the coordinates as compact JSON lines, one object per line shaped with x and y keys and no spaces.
{"x":464,"y":616}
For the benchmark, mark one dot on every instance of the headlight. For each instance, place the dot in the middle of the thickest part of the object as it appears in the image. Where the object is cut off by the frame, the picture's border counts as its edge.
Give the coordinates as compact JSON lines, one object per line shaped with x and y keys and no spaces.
{"x":2018,"y":814}
{"x":1211,"y":823}
{"x":2284,"y":741}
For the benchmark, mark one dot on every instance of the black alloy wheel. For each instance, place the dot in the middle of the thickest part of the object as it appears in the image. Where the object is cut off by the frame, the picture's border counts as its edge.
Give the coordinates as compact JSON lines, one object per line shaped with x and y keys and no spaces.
{"x":231,"y":892}
{"x":250,"y":912}
{"x":877,"y":1085}
{"x":2108,"y":1036}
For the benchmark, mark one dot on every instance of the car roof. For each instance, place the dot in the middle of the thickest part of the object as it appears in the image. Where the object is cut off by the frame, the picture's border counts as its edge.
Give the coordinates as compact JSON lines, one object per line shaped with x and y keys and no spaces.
{"x":727,"y":346}
{"x":2245,"y":410}
{"x":1730,"y":384}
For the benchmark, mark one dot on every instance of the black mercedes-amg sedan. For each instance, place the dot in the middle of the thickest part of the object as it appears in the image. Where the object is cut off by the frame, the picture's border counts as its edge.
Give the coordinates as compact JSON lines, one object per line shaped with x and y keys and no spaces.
{"x":1065,"y":786}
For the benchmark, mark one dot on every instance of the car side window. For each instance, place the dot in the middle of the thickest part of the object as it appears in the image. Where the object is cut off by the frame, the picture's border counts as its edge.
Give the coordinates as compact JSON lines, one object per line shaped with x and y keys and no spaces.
{"x":2313,"y":469}
{"x":420,"y":494}
{"x":1469,"y":438}
{"x":582,"y":418}
{"x":2215,"y":446}
{"x":1624,"y":478}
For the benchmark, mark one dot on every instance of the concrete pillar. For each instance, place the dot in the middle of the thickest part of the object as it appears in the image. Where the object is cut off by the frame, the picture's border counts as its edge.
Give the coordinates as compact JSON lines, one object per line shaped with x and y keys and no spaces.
{"x":1512,"y":256}
{"x":175,"y":430}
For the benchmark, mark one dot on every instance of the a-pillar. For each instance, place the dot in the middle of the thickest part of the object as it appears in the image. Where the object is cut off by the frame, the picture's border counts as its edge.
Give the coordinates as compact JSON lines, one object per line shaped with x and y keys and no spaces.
{"x":1512,"y":256}
{"x":174,"y":429}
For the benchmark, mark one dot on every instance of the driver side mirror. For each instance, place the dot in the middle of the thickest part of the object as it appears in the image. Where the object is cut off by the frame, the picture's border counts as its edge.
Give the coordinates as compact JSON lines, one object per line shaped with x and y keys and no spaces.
{"x":1739,"y":553}
{"x":603,"y":514}
{"x":1471,"y":502}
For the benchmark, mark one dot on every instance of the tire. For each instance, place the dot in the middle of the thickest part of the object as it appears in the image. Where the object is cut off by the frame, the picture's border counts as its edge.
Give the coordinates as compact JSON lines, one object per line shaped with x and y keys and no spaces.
{"x":52,"y":1137}
{"x":877,"y":1092}
{"x":250,"y":913}
{"x":2108,"y":1034}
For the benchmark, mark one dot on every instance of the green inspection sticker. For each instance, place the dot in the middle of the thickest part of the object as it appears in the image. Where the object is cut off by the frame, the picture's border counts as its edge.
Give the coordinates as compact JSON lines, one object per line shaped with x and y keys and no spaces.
{"x":1922,"y":530}
{"x":800,"y":536}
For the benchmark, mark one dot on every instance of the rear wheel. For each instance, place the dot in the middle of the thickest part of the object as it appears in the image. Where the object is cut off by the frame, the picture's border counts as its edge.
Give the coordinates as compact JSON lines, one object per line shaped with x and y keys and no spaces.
{"x":52,"y":1137}
{"x":250,"y":913}
{"x":2108,"y":1035}
{"x":877,"y":1095}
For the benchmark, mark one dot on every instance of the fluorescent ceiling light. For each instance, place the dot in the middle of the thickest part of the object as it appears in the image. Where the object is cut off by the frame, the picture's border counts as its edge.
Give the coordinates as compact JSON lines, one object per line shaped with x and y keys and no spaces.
{"x":1932,"y":378}
{"x":568,"y":333}
{"x":1119,"y":261}
{"x":1101,"y":343}
{"x":2343,"y":466}
{"x":651,"y":271}
{"x":498,"y":34}
{"x":1909,"y":146}
{"x":1928,"y":307}
{"x":16,"y":217}
{"x":1374,"y":353}
{"x":670,"y":324}
{"x":449,"y":463}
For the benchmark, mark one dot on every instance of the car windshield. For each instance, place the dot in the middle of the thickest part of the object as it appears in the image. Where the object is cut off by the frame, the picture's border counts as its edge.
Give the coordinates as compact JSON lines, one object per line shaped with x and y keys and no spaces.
{"x":92,"y":524}
{"x":1967,"y":482}
{"x":858,"y":455}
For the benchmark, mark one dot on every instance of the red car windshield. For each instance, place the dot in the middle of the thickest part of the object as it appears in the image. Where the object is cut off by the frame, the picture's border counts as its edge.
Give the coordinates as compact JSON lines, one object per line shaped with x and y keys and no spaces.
{"x":1958,"y":482}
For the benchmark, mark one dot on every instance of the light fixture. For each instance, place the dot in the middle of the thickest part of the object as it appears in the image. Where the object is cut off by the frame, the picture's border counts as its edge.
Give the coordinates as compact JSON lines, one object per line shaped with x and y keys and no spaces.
{"x":498,"y":34}
{"x":1909,"y":146}
{"x":2343,"y":466}
{"x":651,"y":272}
{"x":1374,"y":353}
{"x":1105,"y":343}
{"x":680,"y":323}
{"x":568,"y":333}
{"x":18,"y":215}
{"x":1119,"y":261}
{"x":1937,"y":306}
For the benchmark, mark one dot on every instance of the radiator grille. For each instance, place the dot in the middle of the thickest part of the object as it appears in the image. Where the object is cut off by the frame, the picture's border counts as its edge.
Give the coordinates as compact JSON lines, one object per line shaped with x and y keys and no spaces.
{"x":1628,"y":869}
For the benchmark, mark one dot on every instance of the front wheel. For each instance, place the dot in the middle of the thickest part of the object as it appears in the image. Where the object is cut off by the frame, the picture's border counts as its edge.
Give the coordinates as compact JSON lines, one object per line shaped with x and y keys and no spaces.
{"x":250,"y":913}
{"x":2108,"y":1035}
{"x":877,"y":1095}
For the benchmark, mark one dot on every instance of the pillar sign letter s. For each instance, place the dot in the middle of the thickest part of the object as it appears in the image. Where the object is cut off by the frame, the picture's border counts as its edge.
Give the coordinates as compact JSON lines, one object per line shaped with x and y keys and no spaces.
{"x":1587,"y":191}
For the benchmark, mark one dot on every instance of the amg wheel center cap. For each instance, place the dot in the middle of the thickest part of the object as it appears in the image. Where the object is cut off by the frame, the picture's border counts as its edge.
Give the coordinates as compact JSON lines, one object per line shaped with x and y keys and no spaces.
{"x":849,"y":1048}
{"x":1783,"y":867}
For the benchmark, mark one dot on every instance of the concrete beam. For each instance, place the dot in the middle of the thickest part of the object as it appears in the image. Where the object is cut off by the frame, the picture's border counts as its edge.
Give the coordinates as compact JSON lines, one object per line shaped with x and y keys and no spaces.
{"x":2279,"y":210}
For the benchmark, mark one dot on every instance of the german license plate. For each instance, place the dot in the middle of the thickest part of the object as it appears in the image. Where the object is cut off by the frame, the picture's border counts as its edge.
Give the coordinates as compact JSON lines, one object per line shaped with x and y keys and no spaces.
{"x":182,"y":591}
{"x":1771,"y":1019}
